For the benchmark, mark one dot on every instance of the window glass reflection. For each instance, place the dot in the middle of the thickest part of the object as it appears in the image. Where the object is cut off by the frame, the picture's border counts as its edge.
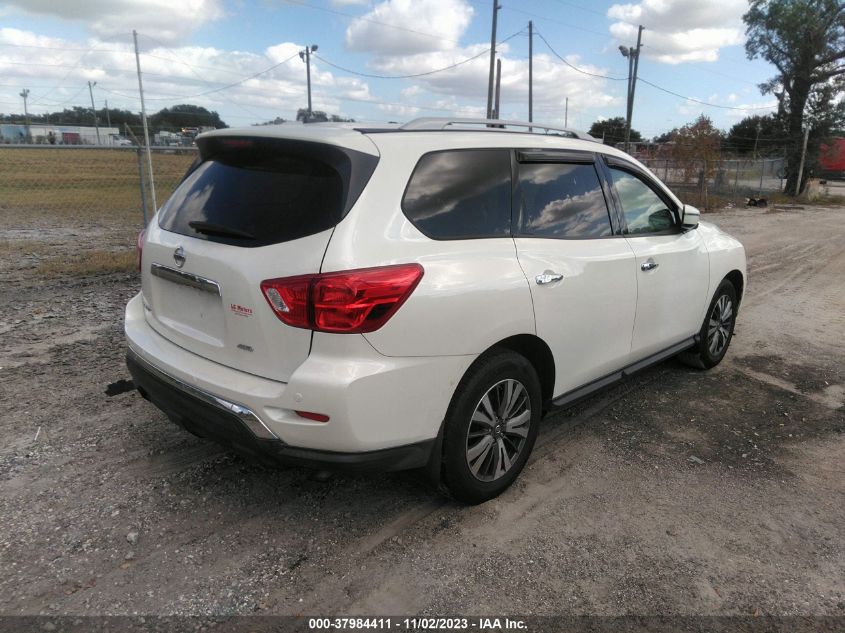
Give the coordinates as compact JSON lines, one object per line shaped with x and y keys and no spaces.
{"x":461,"y":194}
{"x":644,"y":210}
{"x":562,"y":200}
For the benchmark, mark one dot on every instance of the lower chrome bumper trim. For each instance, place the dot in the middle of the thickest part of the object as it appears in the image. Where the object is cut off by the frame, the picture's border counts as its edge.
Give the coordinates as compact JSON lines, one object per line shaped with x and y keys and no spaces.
{"x":244,"y":414}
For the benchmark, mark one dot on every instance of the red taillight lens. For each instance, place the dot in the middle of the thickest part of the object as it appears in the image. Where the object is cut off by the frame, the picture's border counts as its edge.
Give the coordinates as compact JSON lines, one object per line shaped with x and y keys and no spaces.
{"x":139,"y":246}
{"x":351,"y":301}
{"x":289,"y":299}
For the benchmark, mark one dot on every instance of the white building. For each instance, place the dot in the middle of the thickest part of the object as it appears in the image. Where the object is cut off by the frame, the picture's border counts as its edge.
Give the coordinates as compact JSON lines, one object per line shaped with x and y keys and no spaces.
{"x":46,"y":133}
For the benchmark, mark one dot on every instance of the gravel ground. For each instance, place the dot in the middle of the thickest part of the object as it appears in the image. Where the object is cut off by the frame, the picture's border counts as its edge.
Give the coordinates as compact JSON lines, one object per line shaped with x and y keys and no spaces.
{"x":678,"y":493}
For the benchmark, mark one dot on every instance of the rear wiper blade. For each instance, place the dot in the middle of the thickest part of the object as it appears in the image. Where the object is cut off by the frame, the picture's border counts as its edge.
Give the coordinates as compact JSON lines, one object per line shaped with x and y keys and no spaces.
{"x":208,"y":228}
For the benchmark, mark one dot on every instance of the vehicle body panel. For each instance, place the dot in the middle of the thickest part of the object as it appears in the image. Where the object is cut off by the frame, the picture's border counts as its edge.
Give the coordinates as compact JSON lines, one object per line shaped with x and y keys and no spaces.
{"x":672,"y":296}
{"x":595,"y":300}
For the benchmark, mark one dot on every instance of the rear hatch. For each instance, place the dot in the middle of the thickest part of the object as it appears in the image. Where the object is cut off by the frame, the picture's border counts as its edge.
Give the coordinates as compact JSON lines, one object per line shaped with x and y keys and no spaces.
{"x":253,"y":208}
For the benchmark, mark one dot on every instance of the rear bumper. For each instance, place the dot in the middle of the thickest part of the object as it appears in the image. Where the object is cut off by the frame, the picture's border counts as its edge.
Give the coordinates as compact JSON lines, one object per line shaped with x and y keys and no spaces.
{"x":384,"y":412}
{"x":238,"y":427}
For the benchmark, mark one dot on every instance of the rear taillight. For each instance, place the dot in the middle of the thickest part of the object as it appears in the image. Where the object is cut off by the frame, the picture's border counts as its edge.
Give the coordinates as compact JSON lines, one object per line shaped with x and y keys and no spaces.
{"x":351,"y":301}
{"x":139,"y":246}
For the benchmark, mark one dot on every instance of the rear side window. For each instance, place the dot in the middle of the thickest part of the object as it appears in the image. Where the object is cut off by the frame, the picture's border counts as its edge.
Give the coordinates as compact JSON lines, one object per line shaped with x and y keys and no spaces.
{"x":255,"y":192}
{"x":461,"y":194}
{"x":562,"y":200}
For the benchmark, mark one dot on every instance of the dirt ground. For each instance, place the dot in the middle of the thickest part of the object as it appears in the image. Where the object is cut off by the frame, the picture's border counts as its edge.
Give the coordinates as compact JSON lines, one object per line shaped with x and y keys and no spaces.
{"x":678,"y":493}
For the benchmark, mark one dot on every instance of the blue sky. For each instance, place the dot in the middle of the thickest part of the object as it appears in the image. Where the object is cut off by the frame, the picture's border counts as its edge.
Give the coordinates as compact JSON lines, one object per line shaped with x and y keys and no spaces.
{"x":193,"y":49}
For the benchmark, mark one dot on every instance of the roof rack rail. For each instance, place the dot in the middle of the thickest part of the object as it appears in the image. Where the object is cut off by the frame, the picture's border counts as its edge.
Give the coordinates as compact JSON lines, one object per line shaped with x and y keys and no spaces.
{"x":492,"y":125}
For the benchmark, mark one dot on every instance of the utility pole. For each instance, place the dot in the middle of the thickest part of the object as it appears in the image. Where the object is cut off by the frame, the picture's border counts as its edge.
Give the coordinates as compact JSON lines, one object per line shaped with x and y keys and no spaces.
{"x":93,"y":109}
{"x":530,"y":71}
{"x":306,"y":57}
{"x":498,"y":87}
{"x":566,"y":114}
{"x":25,"y":95}
{"x":496,"y":8}
{"x":801,"y":164}
{"x":144,"y":120}
{"x":108,"y":122}
{"x":633,"y":55}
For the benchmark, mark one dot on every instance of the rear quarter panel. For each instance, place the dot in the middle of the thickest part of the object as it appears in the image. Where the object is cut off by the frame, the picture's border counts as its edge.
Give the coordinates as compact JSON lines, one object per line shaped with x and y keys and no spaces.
{"x":473,"y":292}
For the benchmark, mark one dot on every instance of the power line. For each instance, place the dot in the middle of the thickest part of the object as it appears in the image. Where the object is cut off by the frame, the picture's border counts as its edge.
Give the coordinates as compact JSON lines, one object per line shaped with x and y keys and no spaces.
{"x":65,"y":48}
{"x":556,"y":21}
{"x":653,"y":85}
{"x":573,"y":67}
{"x":423,"y":74}
{"x":712,"y":105}
{"x":41,"y":97}
{"x":183,"y":62}
{"x":208,"y":92}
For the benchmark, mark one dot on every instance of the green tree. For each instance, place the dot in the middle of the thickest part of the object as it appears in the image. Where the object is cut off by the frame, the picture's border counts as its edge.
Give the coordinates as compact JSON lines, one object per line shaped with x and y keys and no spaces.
{"x":767,"y":133}
{"x":277,"y":121}
{"x":665,"y":137}
{"x":805,"y":41}
{"x":613,"y":131}
{"x":697,"y":147}
{"x":185,"y":115}
{"x":318,"y":116}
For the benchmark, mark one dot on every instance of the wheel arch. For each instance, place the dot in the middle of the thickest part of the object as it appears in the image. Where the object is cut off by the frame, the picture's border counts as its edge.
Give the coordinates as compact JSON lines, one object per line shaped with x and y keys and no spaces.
{"x":538,"y":353}
{"x":738,"y":281}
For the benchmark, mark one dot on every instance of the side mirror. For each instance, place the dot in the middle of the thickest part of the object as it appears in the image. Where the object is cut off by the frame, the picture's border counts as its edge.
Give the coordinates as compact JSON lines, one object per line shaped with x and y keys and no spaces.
{"x":690,"y":217}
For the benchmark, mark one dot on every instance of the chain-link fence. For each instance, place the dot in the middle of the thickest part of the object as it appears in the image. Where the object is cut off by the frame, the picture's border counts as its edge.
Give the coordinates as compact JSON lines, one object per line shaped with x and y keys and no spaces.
{"x":107,"y":184}
{"x":709,"y":184}
{"x":86,"y":183}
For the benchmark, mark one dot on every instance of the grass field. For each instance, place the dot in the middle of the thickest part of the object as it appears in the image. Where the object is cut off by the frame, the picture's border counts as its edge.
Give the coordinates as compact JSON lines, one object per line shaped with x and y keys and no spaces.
{"x":59,"y":185}
{"x":75,"y":211}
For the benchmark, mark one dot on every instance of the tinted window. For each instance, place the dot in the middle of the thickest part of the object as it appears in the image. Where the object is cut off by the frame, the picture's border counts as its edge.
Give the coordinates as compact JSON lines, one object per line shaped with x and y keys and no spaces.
{"x":461,"y":194}
{"x":562,"y":200}
{"x":257,"y":192}
{"x":645,"y":211}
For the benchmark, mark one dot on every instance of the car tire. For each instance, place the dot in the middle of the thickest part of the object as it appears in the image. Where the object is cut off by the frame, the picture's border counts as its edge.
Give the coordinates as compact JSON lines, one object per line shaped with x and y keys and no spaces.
{"x":716,"y":332}
{"x":490,"y":427}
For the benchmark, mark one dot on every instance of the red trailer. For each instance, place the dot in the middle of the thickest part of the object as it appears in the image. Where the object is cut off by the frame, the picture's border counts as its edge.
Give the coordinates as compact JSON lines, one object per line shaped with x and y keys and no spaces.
{"x":832,"y":159}
{"x":71,"y":138}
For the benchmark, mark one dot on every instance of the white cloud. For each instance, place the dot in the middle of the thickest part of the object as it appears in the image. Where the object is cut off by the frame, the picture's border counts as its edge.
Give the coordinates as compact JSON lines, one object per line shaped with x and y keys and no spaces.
{"x":166,"y":20}
{"x":405,"y":27}
{"x":678,"y":31}
{"x":56,"y":71}
{"x":553,"y":83}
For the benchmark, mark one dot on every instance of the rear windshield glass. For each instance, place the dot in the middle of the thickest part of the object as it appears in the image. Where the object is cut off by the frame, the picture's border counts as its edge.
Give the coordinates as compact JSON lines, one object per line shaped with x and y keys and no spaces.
{"x":255,"y":192}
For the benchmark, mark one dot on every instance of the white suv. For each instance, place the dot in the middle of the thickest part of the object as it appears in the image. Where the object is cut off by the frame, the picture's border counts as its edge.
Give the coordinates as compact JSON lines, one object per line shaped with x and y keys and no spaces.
{"x":416,"y":296}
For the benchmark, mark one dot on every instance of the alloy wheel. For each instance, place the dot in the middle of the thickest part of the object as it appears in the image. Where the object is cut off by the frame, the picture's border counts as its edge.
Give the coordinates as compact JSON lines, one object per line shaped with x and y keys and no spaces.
{"x":719,"y":326}
{"x":498,"y":430}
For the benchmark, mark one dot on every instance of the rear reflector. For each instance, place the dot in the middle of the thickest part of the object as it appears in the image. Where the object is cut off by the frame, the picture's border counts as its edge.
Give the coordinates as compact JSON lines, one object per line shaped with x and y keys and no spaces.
{"x":317,"y":417}
{"x":350,"y":301}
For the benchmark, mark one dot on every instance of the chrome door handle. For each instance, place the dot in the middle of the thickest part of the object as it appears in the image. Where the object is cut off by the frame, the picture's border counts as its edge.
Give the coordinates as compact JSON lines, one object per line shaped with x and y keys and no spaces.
{"x":547,"y":278}
{"x":649,"y":264}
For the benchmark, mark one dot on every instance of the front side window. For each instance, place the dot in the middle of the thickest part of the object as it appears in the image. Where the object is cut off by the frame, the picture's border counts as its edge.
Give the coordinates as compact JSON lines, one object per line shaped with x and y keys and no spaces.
{"x":461,"y":194}
{"x":645,"y":211}
{"x":562,"y":200}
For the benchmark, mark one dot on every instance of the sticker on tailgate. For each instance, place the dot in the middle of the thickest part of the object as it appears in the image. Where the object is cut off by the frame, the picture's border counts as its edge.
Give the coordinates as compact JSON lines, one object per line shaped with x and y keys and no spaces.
{"x":240,"y":310}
